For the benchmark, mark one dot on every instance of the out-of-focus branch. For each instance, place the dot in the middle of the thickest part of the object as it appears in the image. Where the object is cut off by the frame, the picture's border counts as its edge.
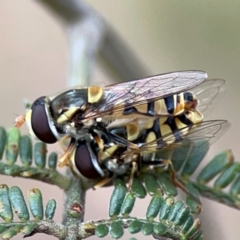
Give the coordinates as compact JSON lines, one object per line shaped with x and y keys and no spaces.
{"x":120,"y":58}
{"x":89,"y":33}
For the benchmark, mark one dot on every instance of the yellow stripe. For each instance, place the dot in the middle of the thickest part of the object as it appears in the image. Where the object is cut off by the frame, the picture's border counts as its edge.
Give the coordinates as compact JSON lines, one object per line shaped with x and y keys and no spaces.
{"x":142,"y":108}
{"x":133,"y":131}
{"x":160,"y":107}
{"x":179,"y":107}
{"x":166,"y":133}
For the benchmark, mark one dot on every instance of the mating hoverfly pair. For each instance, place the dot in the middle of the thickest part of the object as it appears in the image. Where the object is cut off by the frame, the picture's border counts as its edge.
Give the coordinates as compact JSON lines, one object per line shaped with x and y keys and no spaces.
{"x":113,"y":127}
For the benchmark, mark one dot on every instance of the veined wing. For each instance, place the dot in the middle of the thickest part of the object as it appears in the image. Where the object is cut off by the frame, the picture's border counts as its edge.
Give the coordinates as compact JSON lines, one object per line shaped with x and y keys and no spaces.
{"x":120,"y":96}
{"x":207,"y":94}
{"x":205,"y":133}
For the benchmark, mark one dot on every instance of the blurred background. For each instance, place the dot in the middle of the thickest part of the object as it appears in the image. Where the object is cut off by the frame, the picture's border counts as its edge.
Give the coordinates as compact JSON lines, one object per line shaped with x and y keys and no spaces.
{"x":165,"y":35}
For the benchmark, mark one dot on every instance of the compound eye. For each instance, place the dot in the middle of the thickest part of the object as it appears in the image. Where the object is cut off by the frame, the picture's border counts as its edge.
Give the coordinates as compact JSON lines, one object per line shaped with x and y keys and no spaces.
{"x":39,"y":122}
{"x":84,"y":159}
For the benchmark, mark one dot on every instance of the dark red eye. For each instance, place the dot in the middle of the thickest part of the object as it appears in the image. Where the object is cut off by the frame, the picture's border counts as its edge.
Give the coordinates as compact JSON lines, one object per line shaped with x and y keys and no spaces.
{"x":84,"y":161}
{"x":39,"y":122}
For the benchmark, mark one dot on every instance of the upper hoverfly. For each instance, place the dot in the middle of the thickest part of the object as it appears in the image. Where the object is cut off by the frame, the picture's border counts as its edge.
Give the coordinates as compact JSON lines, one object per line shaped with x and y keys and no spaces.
{"x":112,"y":127}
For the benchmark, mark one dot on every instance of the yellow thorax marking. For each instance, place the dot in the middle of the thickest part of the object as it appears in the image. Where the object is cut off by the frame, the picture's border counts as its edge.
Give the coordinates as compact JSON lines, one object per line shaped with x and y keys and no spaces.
{"x":67,"y":115}
{"x":94,"y":94}
{"x":108,"y":152}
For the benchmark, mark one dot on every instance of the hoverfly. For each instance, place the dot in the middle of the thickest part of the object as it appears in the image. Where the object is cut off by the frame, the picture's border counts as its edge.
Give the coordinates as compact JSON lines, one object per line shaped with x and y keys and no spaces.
{"x":112,"y":127}
{"x":91,"y":161}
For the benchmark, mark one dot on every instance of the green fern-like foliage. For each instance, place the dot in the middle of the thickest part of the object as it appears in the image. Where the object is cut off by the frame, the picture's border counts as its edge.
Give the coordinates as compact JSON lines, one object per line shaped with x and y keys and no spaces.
{"x":165,"y":216}
{"x":12,"y":201}
{"x":16,"y":145}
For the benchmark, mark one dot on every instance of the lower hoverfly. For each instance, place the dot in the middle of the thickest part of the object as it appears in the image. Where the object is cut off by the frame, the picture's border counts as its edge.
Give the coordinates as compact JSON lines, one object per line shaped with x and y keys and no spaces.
{"x":112,"y":127}
{"x":94,"y":159}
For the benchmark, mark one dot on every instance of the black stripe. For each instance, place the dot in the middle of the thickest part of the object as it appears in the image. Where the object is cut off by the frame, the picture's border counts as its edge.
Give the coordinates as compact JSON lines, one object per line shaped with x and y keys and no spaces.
{"x":142,"y":137}
{"x":156,"y":129}
{"x":185,"y":120}
{"x":120,"y":131}
{"x":150,"y":109}
{"x":152,"y":163}
{"x":129,"y":110}
{"x":169,"y":101}
{"x":172,"y":124}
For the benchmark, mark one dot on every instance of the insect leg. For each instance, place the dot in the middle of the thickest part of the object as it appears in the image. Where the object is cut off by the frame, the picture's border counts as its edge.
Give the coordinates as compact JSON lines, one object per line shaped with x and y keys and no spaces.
{"x":133,"y":170}
{"x":122,"y":141}
{"x":62,"y":142}
{"x":103,"y":182}
{"x":65,"y":158}
{"x":178,"y":183}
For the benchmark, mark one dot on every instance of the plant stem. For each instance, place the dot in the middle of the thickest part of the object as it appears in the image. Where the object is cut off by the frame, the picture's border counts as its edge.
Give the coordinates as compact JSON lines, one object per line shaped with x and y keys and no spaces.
{"x":74,"y":206}
{"x":42,"y":174}
{"x":88,"y":33}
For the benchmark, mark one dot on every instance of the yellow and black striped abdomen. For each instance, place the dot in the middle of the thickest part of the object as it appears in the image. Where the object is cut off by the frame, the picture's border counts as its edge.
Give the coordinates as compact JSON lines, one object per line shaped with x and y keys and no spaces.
{"x":174,"y":129}
{"x":163,"y":130}
{"x":151,"y":135}
{"x":172,"y":105}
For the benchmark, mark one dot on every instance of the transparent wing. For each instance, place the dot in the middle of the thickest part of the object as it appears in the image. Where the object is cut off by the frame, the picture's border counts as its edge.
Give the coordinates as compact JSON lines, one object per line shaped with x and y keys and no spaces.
{"x":117,"y":97}
{"x":197,"y":139}
{"x":208,"y":93}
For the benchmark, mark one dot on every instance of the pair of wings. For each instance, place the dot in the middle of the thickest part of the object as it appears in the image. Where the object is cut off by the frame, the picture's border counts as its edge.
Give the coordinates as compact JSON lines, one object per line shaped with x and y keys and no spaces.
{"x":119,"y":96}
